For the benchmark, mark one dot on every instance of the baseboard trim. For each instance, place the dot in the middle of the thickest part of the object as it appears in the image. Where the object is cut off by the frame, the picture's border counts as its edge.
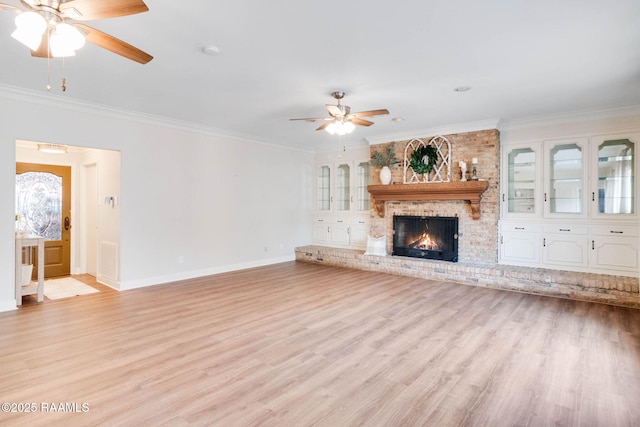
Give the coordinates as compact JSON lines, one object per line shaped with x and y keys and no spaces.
{"x":186,"y":275}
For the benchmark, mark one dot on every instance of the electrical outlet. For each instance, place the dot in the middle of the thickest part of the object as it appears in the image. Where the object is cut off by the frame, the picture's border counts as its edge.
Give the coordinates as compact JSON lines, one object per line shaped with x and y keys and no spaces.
{"x":180,"y":259}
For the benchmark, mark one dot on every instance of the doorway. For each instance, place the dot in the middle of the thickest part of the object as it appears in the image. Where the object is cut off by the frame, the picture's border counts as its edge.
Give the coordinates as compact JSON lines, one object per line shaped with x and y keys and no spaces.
{"x":91,"y":218}
{"x":43,"y":206}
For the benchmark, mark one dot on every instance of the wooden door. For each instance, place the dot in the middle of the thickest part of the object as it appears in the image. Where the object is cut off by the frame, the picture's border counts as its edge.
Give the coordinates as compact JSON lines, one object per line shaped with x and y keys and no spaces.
{"x":43,"y":202}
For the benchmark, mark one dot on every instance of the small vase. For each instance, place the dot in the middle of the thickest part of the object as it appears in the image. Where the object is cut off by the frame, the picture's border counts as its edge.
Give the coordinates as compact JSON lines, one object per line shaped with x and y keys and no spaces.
{"x":385,"y":175}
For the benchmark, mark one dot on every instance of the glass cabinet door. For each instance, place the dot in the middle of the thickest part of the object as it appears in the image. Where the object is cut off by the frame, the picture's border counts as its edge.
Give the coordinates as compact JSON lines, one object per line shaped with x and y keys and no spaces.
{"x":323,"y":188}
{"x":343,"y":187}
{"x":362,"y":194}
{"x":616,"y":177}
{"x":566,"y":178}
{"x":521,"y":181}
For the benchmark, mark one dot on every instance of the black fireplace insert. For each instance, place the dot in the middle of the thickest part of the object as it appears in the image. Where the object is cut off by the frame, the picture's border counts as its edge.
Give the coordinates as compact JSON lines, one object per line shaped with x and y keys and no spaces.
{"x":431,"y":237}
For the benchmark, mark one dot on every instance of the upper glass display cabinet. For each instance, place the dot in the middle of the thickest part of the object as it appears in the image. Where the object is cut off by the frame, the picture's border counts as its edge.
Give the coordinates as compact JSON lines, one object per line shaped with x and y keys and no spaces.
{"x":323,"y":188}
{"x":565,"y":178}
{"x":343,"y":187}
{"x":521,"y":181}
{"x":616,"y":175}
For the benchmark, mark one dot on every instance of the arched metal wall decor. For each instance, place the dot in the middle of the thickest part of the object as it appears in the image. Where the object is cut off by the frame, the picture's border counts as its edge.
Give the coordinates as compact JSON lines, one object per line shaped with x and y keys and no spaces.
{"x":441,"y":171}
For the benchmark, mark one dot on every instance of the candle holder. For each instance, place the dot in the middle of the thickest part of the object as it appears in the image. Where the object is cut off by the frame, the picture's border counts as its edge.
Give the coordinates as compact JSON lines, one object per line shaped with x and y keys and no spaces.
{"x":474,"y":176}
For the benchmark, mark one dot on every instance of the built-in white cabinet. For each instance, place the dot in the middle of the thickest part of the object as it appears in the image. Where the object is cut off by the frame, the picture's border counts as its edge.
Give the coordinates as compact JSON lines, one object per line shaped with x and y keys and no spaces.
{"x":571,"y":204}
{"x":342,"y":204}
{"x":520,"y":243}
{"x":522,"y":175}
{"x":614,"y":177}
{"x":342,"y":187}
{"x":565,"y":245}
{"x":614,"y":248}
{"x":565,"y":170}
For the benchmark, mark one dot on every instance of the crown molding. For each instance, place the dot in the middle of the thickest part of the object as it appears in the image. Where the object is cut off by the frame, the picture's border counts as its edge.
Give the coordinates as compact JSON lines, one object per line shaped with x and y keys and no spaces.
{"x":58,"y":101}
{"x":441,"y":130}
{"x":571,"y":117}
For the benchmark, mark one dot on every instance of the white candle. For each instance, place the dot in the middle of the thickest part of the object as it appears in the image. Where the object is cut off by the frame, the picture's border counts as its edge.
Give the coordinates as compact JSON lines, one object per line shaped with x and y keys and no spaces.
{"x":474,"y":161}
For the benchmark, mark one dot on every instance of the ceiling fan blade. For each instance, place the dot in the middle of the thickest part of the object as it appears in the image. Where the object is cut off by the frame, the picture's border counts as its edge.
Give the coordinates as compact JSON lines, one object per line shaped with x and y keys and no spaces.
{"x":361,"y":122}
{"x":334,"y":110}
{"x":315,"y":119}
{"x":43,"y":49}
{"x":323,"y":126}
{"x":114,"y":45}
{"x":370,"y":113}
{"x":100,"y":9}
{"x":8,"y":6}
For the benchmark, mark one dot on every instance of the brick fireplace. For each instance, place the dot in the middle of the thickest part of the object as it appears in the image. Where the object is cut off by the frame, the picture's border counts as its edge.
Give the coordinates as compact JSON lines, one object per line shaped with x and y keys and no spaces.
{"x":478,"y":238}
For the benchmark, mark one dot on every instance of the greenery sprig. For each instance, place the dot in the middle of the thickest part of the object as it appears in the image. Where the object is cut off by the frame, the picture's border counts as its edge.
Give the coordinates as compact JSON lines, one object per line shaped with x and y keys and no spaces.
{"x":386,"y":158}
{"x":423,"y":159}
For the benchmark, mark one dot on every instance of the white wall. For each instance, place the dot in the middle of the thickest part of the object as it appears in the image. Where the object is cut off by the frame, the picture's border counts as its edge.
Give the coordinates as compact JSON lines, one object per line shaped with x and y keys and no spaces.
{"x":217,"y":202}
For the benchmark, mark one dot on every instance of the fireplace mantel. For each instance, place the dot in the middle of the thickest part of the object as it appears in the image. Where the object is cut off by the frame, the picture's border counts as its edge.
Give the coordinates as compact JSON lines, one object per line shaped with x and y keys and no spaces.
{"x":457,"y":190}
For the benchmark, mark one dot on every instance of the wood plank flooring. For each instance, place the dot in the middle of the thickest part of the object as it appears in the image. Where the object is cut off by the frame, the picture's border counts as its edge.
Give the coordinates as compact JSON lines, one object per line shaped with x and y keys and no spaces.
{"x":299,"y":344}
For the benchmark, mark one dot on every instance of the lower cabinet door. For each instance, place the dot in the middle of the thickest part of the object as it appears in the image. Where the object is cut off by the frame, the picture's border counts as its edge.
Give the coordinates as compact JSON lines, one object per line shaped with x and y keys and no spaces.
{"x":358,"y":233}
{"x":565,"y":249}
{"x":614,"y":253}
{"x":520,"y":248}
{"x":320,"y":232}
{"x":340,"y":232}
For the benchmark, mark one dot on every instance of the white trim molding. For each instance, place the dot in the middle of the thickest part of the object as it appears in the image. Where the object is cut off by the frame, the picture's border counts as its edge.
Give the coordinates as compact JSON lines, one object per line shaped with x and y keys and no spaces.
{"x":442,"y":130}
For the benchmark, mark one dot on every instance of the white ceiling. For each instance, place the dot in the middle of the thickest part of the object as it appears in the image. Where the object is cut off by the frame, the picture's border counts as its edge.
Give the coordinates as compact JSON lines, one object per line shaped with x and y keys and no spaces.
{"x":282,"y":59}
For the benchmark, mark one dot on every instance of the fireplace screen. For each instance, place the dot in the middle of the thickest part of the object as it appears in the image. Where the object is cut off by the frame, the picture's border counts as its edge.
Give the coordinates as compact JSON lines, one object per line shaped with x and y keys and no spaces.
{"x":433,"y":237}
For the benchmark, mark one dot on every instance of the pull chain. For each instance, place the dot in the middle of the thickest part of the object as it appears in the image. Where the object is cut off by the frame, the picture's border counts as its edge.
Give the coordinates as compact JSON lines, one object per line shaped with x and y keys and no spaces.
{"x":64,"y":80}
{"x":48,"y":62}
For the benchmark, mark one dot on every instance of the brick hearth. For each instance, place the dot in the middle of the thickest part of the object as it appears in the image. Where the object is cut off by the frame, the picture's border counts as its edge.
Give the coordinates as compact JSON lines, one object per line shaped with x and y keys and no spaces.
{"x":616,"y":290}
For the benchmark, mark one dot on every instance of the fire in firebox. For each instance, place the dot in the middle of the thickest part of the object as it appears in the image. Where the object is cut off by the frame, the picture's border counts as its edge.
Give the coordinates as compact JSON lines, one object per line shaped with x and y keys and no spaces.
{"x":426,"y":237}
{"x":424,"y":242}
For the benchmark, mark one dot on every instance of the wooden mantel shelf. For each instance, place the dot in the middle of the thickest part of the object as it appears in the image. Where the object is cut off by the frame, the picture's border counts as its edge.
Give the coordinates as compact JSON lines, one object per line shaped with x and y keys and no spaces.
{"x":457,"y":190}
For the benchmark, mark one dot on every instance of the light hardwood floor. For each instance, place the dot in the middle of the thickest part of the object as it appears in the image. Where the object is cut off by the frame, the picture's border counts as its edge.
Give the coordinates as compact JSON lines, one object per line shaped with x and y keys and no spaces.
{"x":300,"y":344}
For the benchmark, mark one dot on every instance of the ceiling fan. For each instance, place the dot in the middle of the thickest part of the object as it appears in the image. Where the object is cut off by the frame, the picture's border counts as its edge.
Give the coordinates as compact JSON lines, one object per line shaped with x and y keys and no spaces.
{"x":342,"y":120}
{"x":51,"y":28}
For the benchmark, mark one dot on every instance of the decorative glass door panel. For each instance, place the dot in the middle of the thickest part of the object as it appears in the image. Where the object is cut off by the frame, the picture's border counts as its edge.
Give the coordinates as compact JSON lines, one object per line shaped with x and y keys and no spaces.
{"x":616,"y":177}
{"x":343,"y":187}
{"x":566,"y":181}
{"x":362,"y":194}
{"x":521,"y":181}
{"x":39,"y":204}
{"x":323,"y":190}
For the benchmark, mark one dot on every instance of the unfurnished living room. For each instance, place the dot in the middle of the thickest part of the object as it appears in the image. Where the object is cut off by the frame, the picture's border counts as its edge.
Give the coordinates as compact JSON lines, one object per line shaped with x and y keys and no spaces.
{"x":322,"y":214}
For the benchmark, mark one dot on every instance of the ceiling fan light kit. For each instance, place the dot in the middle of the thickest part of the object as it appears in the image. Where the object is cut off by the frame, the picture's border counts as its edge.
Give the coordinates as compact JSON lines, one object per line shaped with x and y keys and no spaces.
{"x":340,"y":128}
{"x":65,"y":40}
{"x":49,"y":28}
{"x":342,"y":121}
{"x":30,"y":26}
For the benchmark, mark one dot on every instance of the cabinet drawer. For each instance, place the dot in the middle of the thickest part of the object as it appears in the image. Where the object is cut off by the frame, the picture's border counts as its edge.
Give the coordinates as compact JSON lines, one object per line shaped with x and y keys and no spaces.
{"x":565,"y":229}
{"x":528,"y":228}
{"x":321,"y":220}
{"x":614,"y":230}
